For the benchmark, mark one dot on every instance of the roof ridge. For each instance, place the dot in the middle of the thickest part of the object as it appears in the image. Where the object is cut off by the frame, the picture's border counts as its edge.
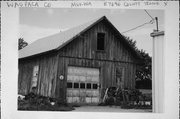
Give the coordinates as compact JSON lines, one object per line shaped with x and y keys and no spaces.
{"x":59,"y":44}
{"x":70,"y":28}
{"x":59,"y":40}
{"x":96,"y":19}
{"x":89,"y":24}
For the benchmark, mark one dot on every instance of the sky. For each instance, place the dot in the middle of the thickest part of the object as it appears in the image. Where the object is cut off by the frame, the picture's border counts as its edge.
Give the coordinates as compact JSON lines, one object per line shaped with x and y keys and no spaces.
{"x":36,"y":23}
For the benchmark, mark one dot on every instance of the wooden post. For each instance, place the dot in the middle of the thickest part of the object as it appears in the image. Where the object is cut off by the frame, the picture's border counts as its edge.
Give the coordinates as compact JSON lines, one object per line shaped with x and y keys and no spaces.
{"x":158,"y":71}
{"x":156,"y":18}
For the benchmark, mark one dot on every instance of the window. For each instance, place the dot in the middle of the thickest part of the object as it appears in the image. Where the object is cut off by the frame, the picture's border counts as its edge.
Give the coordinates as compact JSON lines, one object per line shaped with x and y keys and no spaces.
{"x":69,"y":85}
{"x":100,"y":41}
{"x":82,"y":85}
{"x":88,"y":85}
{"x":95,"y":86}
{"x":76,"y":85}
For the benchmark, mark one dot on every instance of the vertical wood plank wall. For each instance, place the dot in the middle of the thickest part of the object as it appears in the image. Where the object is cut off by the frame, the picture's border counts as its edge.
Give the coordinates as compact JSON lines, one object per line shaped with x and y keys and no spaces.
{"x":107,"y":73}
{"x":80,"y":52}
{"x":46,"y":76}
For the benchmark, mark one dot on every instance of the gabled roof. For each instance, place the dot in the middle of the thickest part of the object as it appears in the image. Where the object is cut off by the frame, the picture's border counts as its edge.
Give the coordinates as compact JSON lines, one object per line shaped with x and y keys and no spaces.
{"x":59,"y":40}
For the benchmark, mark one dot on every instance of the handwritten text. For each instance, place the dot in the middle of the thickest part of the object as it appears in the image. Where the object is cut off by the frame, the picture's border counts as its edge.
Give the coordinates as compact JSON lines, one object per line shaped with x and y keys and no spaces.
{"x":81,"y":4}
{"x":27,"y":4}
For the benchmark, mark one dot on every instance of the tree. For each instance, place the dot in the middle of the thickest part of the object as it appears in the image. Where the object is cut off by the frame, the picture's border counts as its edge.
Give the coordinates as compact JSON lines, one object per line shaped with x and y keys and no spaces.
{"x":144,"y":72}
{"x":22,"y":43}
{"x":132,"y":43}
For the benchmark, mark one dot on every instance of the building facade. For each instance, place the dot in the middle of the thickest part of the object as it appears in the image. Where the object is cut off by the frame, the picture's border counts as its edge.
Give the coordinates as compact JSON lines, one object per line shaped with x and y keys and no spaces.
{"x":78,"y":65}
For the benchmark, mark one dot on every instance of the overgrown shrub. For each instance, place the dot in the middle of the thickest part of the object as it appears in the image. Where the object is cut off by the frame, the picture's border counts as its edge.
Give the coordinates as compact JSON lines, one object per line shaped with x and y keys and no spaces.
{"x":42,"y":103}
{"x":127,"y":99}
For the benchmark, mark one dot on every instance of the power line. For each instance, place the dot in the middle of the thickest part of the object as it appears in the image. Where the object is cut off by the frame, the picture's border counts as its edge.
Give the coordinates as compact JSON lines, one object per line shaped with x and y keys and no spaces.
{"x":156,"y":18}
{"x":148,"y":14}
{"x":150,"y":22}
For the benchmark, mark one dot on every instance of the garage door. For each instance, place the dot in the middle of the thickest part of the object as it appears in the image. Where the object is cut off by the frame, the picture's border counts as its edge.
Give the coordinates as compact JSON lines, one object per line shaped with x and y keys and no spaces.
{"x":83,"y":85}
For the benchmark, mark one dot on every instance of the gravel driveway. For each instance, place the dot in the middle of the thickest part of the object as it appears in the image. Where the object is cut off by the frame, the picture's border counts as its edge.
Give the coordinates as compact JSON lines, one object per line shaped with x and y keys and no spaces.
{"x":108,"y":109}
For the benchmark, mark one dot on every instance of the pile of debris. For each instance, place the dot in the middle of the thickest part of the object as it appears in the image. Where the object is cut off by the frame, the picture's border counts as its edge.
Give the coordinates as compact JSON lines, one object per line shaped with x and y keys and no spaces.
{"x":127,"y":98}
{"x":32,"y":101}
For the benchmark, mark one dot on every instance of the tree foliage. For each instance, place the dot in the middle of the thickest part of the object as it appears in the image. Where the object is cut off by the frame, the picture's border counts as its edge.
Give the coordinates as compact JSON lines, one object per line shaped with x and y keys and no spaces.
{"x":22,"y":43}
{"x":144,"y":72}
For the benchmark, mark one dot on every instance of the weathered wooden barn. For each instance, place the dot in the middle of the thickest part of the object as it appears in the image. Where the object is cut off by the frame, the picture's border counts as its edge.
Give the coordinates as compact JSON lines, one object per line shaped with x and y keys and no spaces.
{"x":78,"y":65}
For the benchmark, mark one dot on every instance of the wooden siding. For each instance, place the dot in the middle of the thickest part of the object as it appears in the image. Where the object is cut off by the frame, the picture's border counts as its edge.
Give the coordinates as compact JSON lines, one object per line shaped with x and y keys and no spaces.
{"x":107,"y":73}
{"x":25,"y":76}
{"x":85,"y":46}
{"x":46,"y":77}
{"x":82,"y":52}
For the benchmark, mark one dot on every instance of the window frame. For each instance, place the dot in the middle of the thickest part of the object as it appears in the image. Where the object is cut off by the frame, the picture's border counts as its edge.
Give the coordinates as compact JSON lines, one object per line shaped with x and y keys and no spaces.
{"x":103,"y":42}
{"x":87,"y":86}
{"x":71,"y":85}
{"x":76,"y":87}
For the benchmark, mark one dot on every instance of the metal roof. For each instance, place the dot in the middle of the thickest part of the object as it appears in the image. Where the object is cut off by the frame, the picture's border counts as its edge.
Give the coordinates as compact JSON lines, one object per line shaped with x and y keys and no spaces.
{"x":55,"y":41}
{"x":59,"y":40}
